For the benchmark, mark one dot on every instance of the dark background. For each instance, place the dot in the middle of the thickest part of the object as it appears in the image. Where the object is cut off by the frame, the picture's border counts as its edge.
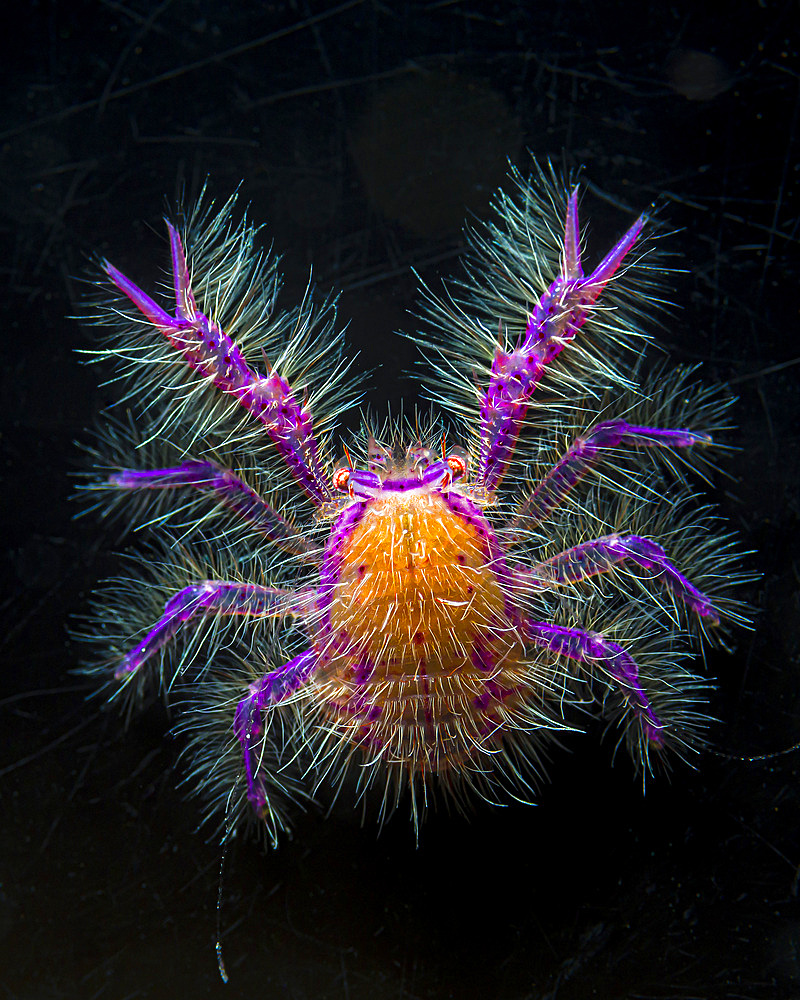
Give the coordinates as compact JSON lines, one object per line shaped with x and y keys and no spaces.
{"x":362,"y":133}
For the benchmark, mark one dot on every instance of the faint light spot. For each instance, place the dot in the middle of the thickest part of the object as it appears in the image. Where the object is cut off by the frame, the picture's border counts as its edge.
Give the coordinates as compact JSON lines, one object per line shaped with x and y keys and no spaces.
{"x":697,"y":76}
{"x":433,"y":147}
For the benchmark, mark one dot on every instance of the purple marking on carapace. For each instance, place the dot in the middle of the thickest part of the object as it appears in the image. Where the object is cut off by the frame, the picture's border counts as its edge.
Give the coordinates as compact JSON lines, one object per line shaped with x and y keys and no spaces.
{"x":332,"y":559}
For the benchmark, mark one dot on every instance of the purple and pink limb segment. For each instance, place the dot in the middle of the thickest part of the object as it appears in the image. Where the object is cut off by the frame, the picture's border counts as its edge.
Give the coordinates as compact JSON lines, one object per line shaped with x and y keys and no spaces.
{"x":248,"y":725}
{"x":592,"y":648}
{"x":206,"y":348}
{"x":228,"y":489}
{"x":585,"y":451}
{"x":210,"y":597}
{"x":560,"y":313}
{"x":601,"y":555}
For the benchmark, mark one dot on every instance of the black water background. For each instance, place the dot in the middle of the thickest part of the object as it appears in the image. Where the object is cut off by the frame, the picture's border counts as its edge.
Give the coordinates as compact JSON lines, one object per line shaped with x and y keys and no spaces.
{"x":106,"y":889}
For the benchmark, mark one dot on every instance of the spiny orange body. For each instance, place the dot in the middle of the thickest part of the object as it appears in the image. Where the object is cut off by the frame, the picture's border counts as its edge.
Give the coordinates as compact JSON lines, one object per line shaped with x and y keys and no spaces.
{"x":449,"y":609}
{"x":427,"y":659}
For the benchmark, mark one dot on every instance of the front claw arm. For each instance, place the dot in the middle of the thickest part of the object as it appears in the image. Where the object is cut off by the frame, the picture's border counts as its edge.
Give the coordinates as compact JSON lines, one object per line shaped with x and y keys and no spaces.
{"x":556,"y":318}
{"x":206,"y":348}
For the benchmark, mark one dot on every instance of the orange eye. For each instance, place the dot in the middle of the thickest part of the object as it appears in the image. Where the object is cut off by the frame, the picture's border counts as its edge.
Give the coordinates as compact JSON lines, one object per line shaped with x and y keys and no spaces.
{"x":457,"y":466}
{"x":340,"y":479}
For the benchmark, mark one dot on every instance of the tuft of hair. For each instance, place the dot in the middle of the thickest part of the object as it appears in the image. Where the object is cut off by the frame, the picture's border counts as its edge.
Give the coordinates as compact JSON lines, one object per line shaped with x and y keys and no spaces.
{"x":385,"y":442}
{"x":508,"y":765}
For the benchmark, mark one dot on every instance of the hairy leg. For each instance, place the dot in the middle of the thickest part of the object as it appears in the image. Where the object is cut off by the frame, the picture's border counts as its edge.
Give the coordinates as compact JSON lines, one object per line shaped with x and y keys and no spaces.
{"x":228,"y":489}
{"x":248,"y":725}
{"x":584,"y":453}
{"x":211,"y":597}
{"x":599,"y":655}
{"x":601,"y":555}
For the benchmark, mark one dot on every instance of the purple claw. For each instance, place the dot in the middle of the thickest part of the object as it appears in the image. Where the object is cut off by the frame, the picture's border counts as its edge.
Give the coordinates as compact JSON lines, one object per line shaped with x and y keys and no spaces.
{"x":152,"y":310}
{"x":185,"y":305}
{"x":206,"y":348}
{"x":571,"y":262}
{"x":556,"y":318}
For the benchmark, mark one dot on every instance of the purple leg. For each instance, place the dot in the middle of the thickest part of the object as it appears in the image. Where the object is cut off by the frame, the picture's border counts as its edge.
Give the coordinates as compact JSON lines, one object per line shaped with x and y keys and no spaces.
{"x":595,"y":651}
{"x":228,"y":489}
{"x":554,"y":322}
{"x":600,"y":555}
{"x":586,"y":451}
{"x":211,"y":597}
{"x":209,"y":350}
{"x":248,"y":724}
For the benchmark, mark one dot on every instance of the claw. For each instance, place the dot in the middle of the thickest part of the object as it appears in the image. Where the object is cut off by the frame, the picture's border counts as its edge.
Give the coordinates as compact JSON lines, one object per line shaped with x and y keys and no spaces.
{"x":608,"y":266}
{"x":152,"y":310}
{"x":566,"y":305}
{"x":185,"y":304}
{"x":555,"y":320}
{"x":571,"y":260}
{"x":205,"y":347}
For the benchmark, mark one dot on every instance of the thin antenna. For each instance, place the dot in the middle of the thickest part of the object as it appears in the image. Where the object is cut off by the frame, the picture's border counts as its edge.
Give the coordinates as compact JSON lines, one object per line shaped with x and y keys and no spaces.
{"x":223,"y":972}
